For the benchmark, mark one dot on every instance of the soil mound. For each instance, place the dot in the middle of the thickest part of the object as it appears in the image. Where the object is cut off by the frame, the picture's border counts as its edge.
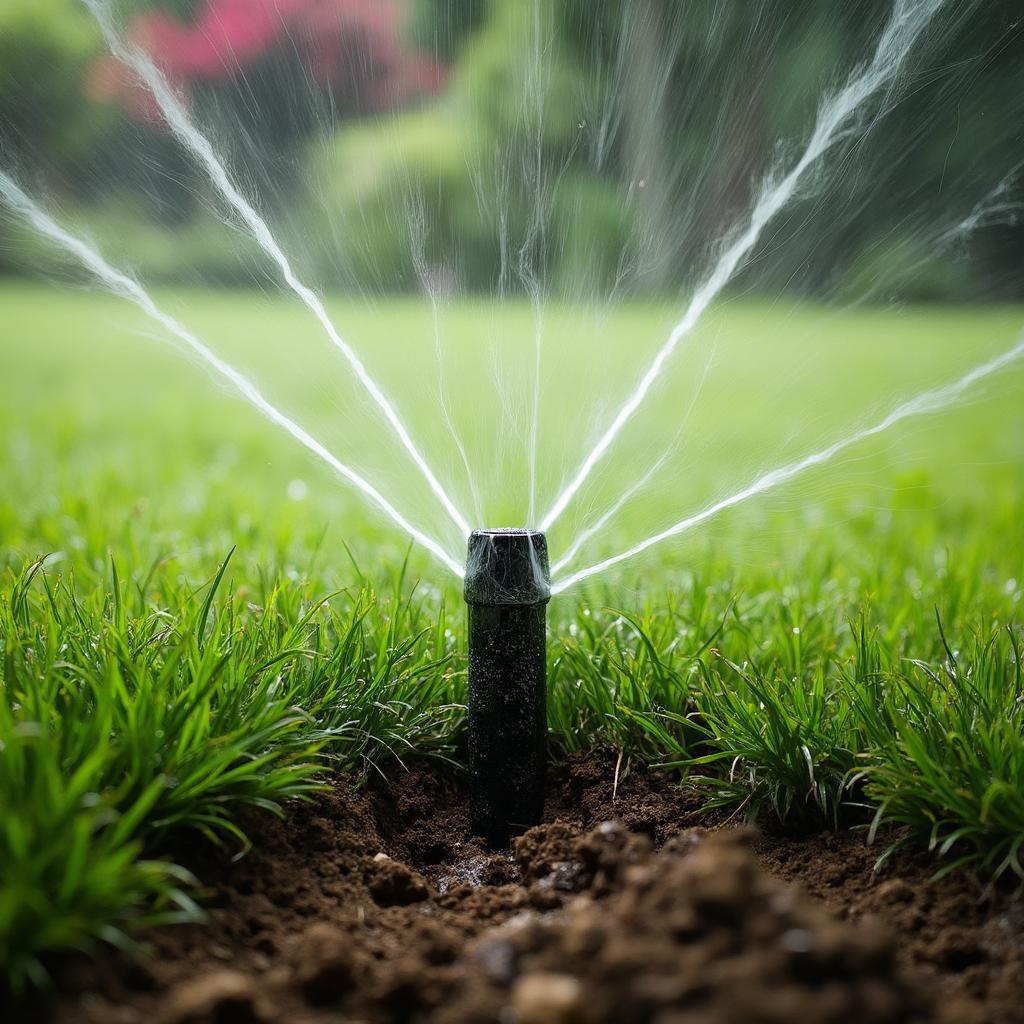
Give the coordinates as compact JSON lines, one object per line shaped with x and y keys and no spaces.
{"x":376,"y":905}
{"x":696,"y":932}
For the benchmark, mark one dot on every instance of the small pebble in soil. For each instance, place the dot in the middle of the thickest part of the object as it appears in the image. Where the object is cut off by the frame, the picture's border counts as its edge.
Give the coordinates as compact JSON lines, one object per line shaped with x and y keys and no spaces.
{"x":548,"y":999}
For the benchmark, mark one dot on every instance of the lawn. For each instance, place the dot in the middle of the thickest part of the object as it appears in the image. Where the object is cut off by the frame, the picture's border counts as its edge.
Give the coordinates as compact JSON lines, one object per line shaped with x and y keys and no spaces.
{"x":844,"y":649}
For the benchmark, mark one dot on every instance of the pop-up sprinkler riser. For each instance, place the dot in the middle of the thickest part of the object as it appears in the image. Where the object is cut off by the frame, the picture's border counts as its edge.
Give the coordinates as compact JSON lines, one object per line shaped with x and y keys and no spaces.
{"x":507,"y":589}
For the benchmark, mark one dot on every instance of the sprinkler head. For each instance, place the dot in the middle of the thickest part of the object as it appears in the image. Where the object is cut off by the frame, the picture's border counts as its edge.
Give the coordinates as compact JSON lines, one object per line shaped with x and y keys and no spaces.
{"x":507,"y":588}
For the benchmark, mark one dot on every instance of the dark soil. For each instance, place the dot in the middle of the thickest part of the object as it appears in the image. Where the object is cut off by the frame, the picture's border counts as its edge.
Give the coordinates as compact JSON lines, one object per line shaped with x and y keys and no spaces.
{"x":376,"y":905}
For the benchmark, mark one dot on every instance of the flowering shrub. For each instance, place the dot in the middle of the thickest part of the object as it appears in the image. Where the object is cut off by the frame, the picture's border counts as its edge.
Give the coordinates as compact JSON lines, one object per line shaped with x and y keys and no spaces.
{"x":352,"y":50}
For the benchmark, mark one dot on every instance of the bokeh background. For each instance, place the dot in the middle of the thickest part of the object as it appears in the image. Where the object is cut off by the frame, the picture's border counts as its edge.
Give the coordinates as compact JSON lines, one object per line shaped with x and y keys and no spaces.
{"x":432,"y":143}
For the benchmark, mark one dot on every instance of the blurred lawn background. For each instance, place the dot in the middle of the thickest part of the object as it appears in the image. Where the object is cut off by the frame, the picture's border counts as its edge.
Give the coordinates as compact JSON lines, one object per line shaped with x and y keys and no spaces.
{"x":115,"y":443}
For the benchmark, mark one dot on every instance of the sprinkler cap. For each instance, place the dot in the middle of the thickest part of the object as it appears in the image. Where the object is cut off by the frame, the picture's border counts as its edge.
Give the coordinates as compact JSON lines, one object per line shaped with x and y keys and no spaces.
{"x":507,"y":567}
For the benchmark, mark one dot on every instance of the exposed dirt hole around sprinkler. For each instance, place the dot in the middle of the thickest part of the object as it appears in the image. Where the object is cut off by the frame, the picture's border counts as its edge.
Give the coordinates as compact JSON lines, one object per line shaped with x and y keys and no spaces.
{"x":378,"y":906}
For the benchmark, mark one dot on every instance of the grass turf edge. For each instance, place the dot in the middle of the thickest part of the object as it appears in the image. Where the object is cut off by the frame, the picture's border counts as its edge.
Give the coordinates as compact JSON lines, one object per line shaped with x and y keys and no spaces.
{"x":137,"y":707}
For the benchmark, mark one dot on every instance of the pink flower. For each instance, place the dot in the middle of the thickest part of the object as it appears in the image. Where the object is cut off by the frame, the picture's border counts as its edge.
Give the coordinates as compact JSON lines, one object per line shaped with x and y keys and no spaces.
{"x":352,"y":48}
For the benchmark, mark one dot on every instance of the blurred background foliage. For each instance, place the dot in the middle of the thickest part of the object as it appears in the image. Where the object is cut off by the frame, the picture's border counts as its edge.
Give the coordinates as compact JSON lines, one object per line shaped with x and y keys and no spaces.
{"x":558,"y":146}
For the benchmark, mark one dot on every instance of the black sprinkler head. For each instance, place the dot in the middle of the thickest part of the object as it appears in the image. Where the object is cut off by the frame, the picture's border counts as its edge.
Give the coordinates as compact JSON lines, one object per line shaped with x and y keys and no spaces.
{"x":507,"y":588}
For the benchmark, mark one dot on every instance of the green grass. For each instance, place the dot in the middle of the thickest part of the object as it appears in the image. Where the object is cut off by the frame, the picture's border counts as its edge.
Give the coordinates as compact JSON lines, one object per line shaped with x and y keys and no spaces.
{"x":145,"y":707}
{"x":786,"y":657}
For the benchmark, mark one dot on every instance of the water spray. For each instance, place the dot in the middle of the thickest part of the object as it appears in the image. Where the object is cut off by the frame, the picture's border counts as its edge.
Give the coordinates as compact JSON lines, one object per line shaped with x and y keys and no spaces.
{"x":837,"y":118}
{"x":202,"y":150}
{"x":921,"y":404}
{"x":119,"y":283}
{"x":507,"y":588}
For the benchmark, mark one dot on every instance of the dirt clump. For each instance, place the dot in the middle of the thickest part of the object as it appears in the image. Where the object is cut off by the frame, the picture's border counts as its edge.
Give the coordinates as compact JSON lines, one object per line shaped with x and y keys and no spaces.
{"x":393,"y":884}
{"x":696,"y":932}
{"x":223,"y":997}
{"x":963,"y":940}
{"x":324,"y":964}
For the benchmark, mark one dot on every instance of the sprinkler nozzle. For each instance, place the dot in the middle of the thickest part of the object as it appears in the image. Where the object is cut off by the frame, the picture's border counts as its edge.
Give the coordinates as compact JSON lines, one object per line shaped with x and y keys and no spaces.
{"x":507,"y":588}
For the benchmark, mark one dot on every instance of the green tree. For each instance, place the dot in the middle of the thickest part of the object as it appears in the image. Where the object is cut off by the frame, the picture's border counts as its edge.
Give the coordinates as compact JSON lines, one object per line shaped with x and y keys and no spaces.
{"x":45,"y":117}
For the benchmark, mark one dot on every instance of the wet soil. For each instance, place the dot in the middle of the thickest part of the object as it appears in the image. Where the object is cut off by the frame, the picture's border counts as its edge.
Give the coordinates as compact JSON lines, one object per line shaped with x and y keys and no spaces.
{"x":376,"y":905}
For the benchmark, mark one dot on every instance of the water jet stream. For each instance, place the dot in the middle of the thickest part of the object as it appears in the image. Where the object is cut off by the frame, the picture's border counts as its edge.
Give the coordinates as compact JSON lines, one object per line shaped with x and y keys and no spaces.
{"x":927,"y":401}
{"x":535,"y":241}
{"x":909,"y":19}
{"x":124,"y":286}
{"x":595,"y":528}
{"x":202,"y":150}
{"x":417,"y":218}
